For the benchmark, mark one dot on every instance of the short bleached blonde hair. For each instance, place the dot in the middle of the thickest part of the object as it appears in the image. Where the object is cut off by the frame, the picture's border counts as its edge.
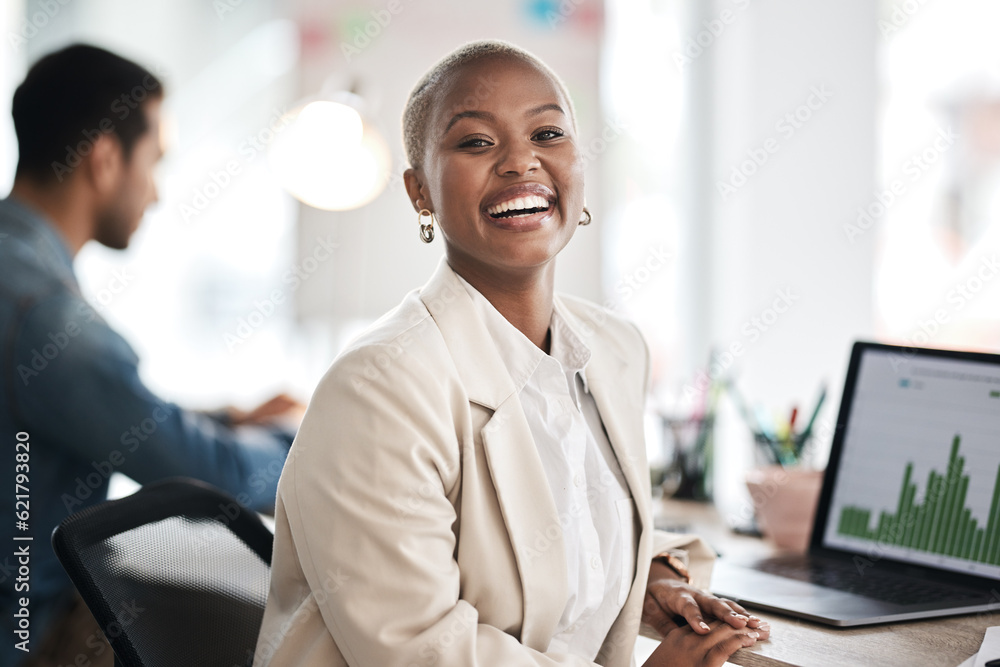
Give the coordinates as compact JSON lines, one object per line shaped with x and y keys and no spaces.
{"x":417,"y":112}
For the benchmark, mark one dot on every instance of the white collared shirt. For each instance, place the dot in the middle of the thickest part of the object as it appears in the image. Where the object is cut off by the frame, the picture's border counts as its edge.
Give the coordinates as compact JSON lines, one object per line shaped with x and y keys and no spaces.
{"x":592,"y":498}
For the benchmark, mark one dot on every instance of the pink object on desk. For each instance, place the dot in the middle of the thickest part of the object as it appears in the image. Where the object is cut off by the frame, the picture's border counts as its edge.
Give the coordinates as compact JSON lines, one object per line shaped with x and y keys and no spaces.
{"x":785,"y":502}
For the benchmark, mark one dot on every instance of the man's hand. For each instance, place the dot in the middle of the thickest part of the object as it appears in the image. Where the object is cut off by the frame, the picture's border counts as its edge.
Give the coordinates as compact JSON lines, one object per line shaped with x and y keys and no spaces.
{"x":670,"y":602}
{"x":281,"y":406}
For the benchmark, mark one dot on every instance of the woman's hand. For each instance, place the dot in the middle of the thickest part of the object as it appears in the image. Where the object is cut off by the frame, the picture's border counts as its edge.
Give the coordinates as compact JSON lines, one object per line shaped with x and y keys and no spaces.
{"x":668,"y":597}
{"x":683,"y":647}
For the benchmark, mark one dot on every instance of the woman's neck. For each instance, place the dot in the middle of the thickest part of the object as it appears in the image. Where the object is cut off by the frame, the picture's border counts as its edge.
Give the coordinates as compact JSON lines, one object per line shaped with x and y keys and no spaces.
{"x":524,"y":299}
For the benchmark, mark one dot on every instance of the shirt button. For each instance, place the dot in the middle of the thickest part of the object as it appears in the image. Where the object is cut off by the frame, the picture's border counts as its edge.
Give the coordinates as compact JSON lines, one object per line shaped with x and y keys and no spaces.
{"x":578,"y":481}
{"x":595,"y":562}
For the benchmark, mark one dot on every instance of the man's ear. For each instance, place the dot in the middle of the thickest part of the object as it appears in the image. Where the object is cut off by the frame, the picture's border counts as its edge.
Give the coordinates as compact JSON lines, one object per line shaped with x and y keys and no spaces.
{"x":416,"y":191}
{"x":106,"y":164}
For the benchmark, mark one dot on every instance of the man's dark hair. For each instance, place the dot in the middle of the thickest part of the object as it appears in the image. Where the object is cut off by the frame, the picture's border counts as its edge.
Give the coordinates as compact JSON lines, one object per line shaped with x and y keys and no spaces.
{"x":69,"y":99}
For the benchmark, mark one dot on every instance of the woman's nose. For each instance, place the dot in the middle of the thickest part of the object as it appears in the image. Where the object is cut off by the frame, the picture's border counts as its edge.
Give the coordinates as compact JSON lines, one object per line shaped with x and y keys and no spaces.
{"x":519,"y":158}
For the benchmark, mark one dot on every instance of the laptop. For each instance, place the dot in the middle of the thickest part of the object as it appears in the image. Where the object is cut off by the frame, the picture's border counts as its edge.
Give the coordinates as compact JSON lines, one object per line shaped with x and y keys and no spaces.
{"x":908,"y":521}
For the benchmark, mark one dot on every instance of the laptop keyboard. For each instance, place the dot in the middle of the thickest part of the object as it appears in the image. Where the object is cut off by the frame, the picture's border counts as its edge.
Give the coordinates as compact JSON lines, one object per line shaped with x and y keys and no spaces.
{"x":883,"y":586}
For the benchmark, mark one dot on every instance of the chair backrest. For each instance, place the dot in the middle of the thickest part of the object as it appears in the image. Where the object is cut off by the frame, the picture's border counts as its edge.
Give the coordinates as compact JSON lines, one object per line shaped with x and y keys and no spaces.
{"x":175,"y":574}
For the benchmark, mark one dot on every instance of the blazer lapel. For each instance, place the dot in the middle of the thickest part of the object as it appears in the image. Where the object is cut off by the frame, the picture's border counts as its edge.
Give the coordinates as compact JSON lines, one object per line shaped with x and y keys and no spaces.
{"x":628,"y":445}
{"x":532,"y":522}
{"x":617,"y":404}
{"x":522,"y":488}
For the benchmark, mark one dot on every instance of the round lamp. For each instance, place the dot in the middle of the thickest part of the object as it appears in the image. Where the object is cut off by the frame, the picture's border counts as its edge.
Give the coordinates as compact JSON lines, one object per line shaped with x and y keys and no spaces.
{"x":329,"y":157}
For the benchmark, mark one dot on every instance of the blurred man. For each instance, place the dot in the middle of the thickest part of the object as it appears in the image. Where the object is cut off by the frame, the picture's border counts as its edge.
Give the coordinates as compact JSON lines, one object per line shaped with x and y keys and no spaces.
{"x":72,"y":407}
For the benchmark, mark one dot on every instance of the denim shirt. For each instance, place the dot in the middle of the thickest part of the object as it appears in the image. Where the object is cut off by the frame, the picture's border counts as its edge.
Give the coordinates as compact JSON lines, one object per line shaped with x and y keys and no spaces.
{"x":71,"y":384}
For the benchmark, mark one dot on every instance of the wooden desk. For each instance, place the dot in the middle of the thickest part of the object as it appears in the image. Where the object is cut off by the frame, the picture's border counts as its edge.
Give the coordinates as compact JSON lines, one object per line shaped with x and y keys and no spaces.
{"x":944,"y":642}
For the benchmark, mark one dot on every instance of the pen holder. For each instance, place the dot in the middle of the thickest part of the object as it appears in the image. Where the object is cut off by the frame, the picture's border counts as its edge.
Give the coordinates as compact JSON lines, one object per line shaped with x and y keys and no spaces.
{"x":689,"y":471}
{"x":784,"y":501}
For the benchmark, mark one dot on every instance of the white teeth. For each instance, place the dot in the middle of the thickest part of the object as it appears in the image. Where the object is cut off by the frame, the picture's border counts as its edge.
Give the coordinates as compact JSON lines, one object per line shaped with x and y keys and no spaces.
{"x":519,"y":204}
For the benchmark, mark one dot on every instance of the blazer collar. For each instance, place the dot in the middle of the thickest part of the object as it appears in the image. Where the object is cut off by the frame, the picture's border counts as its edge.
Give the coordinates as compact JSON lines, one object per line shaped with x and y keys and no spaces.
{"x":483,"y":372}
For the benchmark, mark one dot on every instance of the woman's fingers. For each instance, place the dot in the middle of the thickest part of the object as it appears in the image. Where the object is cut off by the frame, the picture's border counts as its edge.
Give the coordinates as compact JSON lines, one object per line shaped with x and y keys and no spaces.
{"x":762,"y":627}
{"x":727,"y":645}
{"x":735,"y":615}
{"x":738,"y":617}
{"x":676,"y":599}
{"x":689,"y":608}
{"x":667,"y":599}
{"x":725,"y":610}
{"x":684,"y":647}
{"x":737,"y":607}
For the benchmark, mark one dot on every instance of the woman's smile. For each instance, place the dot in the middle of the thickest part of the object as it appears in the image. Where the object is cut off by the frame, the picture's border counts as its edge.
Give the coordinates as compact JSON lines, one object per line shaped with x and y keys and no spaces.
{"x":520,"y":208}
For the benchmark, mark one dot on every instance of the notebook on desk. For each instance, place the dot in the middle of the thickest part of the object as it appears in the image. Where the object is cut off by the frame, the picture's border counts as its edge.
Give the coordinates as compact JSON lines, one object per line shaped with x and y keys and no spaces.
{"x":908,"y":521}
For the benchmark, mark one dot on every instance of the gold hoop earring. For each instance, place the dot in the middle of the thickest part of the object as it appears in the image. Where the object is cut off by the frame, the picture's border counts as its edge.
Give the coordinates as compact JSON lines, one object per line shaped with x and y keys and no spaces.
{"x":426,"y":229}
{"x":585,"y":220}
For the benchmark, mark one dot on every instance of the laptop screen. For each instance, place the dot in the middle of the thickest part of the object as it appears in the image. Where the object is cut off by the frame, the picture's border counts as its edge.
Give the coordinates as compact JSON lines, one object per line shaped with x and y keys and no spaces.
{"x":918,"y":474}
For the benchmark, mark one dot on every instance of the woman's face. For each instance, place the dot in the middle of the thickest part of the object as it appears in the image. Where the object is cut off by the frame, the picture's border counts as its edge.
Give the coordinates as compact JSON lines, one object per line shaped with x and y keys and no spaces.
{"x":502,"y":171}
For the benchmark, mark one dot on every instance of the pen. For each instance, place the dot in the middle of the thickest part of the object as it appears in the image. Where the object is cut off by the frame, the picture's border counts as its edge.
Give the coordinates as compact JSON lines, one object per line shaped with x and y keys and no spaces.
{"x":812,"y":420}
{"x":742,"y":406}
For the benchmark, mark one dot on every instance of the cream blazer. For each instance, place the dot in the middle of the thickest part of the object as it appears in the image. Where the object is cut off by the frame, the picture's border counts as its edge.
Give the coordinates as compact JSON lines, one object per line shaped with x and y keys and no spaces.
{"x":414,"y":524}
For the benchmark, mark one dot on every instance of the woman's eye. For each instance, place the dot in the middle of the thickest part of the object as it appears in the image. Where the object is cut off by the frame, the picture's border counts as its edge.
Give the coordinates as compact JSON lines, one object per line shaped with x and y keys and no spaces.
{"x":475,"y":142}
{"x":547,"y":135}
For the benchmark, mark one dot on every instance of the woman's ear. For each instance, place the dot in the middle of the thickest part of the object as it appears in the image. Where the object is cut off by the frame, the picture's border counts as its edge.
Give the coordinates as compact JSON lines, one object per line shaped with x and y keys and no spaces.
{"x":413,"y":178}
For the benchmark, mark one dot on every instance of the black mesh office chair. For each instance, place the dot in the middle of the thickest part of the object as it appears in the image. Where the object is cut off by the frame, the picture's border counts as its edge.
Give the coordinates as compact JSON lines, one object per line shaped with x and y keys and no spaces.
{"x":175,"y":574}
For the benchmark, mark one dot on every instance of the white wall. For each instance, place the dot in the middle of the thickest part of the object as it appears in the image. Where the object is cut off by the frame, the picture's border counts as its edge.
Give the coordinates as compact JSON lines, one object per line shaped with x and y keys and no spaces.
{"x":782,"y":230}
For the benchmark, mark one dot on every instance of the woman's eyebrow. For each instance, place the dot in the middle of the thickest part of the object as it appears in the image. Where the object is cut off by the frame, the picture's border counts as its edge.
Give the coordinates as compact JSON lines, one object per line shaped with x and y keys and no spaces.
{"x":484,"y":115}
{"x":552,"y":106}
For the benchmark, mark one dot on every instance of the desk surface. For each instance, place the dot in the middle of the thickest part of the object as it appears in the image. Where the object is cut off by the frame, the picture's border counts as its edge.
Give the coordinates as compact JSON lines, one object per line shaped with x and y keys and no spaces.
{"x":943,"y":642}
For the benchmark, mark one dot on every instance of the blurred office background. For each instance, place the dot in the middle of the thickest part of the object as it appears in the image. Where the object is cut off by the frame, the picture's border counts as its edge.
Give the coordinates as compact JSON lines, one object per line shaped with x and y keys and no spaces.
{"x":769,"y":179}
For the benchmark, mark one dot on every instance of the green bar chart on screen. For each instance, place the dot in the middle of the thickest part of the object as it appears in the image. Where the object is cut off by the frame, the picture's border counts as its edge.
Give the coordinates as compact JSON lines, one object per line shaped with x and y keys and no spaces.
{"x":941,"y":523}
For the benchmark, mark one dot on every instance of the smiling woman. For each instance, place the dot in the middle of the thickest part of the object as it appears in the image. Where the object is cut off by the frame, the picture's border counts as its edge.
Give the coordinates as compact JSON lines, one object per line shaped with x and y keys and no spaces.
{"x":469,"y":485}
{"x":500,"y":169}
